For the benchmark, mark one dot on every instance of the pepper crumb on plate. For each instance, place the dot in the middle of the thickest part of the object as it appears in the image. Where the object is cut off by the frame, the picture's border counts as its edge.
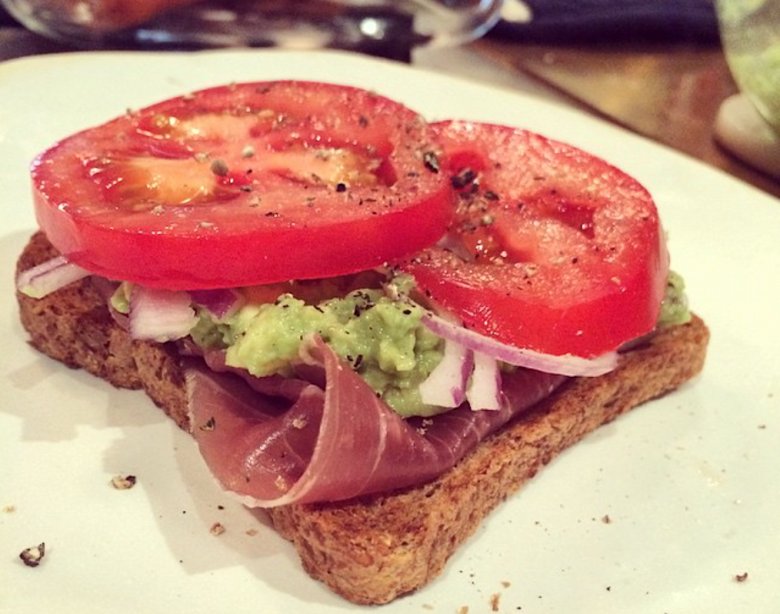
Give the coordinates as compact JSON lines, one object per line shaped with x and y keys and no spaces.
{"x":33,"y":555}
{"x":123,"y":482}
{"x":741,"y":577}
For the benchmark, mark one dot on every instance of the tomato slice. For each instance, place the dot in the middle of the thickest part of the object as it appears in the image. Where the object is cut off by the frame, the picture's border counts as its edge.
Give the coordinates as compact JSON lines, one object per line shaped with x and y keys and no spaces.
{"x":551,"y":249}
{"x":245,"y":184}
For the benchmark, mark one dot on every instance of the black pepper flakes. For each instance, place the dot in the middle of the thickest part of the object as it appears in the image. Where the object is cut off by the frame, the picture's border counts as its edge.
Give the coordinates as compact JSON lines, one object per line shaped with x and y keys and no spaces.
{"x":463,"y":178}
{"x":341,"y":187}
{"x":741,"y":577}
{"x":209,"y":425}
{"x":219,"y":167}
{"x":33,"y":555}
{"x":431,"y":161}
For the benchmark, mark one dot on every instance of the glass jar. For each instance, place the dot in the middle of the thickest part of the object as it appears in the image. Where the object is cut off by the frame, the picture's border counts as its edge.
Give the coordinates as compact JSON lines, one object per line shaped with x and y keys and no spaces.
{"x":750,"y":33}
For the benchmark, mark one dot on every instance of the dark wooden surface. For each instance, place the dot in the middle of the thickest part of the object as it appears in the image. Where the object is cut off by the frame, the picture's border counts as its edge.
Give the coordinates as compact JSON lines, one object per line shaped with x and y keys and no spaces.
{"x":668,"y":93}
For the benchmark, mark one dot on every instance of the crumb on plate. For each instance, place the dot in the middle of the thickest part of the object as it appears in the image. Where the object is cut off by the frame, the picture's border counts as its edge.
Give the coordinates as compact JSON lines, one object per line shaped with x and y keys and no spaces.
{"x":123,"y":482}
{"x":33,"y":555}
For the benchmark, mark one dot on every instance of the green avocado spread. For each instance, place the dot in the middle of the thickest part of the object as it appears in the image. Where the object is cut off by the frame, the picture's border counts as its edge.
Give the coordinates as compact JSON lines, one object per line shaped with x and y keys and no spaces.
{"x":378,"y":331}
{"x":674,"y":307}
{"x":369,"y":321}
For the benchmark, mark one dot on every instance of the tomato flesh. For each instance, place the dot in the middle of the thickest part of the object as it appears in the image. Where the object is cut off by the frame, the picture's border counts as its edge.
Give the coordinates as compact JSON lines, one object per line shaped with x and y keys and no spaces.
{"x":244,"y":184}
{"x":551,"y":249}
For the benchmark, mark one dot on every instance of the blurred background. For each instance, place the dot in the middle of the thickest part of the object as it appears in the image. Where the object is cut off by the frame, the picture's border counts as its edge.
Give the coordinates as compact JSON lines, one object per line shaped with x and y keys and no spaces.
{"x":666,"y":69}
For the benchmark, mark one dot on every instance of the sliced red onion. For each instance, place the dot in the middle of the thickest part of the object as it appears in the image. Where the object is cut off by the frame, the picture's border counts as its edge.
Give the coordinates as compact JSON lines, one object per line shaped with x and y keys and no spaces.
{"x":566,"y":364}
{"x":484,"y":390}
{"x":446,"y":384}
{"x":222,"y":303}
{"x":49,"y":276}
{"x":160,"y":315}
{"x":453,"y":243}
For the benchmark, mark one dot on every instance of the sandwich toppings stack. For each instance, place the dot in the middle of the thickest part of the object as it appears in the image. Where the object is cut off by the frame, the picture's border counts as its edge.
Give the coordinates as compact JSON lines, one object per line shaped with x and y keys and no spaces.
{"x":374,"y":327}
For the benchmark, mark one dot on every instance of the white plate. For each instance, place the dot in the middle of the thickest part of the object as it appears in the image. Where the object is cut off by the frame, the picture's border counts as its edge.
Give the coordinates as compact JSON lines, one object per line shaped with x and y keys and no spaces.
{"x":688,"y":482}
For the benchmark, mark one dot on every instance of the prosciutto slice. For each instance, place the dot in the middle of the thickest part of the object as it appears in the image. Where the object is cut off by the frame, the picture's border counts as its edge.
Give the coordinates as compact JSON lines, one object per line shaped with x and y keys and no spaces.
{"x":337,"y":442}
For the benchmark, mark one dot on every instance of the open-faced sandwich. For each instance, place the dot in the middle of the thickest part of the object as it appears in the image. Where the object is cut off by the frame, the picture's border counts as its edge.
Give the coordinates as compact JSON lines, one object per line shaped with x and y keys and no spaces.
{"x":374,"y":327}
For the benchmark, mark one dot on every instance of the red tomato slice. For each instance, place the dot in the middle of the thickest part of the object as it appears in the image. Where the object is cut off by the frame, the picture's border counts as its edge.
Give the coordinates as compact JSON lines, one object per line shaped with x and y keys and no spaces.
{"x":552,"y":249}
{"x":245,"y":184}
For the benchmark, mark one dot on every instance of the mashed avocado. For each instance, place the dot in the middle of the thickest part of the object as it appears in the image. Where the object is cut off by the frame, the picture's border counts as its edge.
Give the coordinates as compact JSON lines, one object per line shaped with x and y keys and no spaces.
{"x":674,"y":308}
{"x":378,"y":331}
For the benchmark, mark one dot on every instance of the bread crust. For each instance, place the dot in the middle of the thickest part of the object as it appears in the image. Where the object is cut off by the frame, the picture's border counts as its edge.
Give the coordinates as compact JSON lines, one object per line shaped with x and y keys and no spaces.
{"x":374,"y":549}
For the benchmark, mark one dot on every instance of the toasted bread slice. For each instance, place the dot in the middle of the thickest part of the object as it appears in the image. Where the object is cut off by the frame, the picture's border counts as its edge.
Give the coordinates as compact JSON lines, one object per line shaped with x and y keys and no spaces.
{"x":374,"y":549}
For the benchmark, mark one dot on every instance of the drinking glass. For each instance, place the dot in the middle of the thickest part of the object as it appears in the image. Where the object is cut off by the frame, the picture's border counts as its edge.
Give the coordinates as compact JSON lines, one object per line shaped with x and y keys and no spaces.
{"x":750,"y":33}
{"x":748,"y":123}
{"x":363,"y":25}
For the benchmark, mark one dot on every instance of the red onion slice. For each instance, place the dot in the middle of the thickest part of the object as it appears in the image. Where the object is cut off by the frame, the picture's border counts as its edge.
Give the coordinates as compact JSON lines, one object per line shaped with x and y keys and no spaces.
{"x":446,"y":384}
{"x":222,"y":302}
{"x":48,"y":277}
{"x":453,"y":243}
{"x":160,"y":315}
{"x":484,"y":391}
{"x":566,"y":364}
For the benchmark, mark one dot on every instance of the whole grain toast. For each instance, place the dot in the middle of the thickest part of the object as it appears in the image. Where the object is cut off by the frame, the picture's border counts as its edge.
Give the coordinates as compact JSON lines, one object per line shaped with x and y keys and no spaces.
{"x":374,"y":549}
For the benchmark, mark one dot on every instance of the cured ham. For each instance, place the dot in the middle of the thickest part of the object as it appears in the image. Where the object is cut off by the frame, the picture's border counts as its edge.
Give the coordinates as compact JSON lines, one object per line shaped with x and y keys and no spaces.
{"x":337,"y":442}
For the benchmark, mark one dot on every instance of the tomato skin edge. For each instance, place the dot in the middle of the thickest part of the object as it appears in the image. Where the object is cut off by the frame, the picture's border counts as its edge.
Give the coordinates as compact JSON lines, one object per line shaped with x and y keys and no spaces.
{"x":227,"y":261}
{"x":551,"y":330}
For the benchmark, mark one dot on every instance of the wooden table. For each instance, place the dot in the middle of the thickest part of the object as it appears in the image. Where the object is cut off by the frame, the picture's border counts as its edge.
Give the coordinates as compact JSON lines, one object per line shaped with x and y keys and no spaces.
{"x":668,"y":93}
